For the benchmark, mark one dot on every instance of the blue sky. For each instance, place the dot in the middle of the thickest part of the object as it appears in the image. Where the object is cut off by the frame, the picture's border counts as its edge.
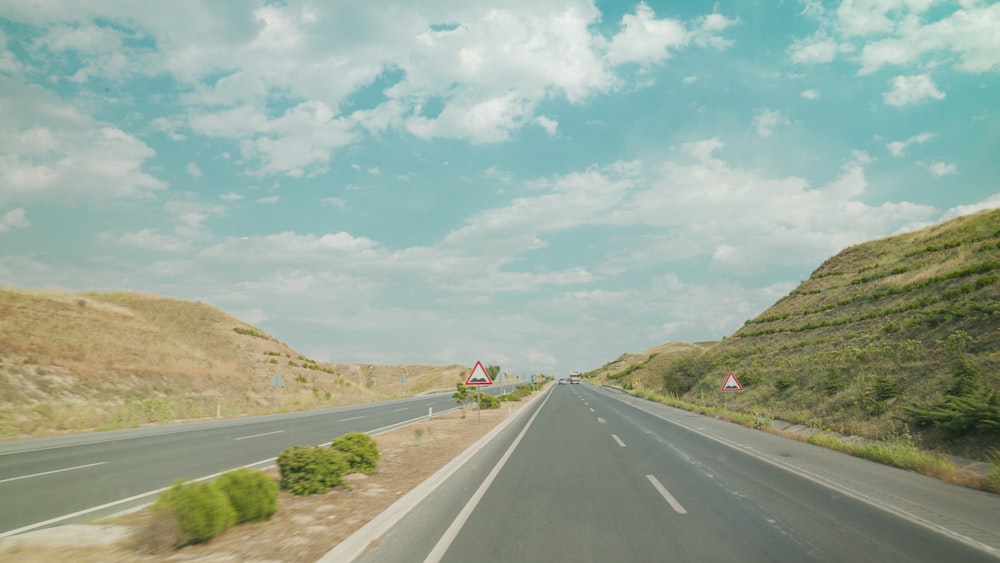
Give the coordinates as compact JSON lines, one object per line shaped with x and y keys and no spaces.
{"x":544,"y":185}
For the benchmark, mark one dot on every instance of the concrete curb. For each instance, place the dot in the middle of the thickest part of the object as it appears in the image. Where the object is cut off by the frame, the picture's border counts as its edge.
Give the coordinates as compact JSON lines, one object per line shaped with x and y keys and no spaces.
{"x":352,"y":547}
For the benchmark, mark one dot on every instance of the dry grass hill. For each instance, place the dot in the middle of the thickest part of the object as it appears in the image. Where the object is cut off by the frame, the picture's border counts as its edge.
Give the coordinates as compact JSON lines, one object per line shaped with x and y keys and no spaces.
{"x":894,"y":337}
{"x":82,"y":361}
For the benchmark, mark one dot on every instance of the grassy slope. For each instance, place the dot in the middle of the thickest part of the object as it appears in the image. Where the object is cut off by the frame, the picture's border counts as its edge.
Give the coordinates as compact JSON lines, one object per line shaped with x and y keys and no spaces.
{"x":73,"y":361}
{"x":870,"y":333}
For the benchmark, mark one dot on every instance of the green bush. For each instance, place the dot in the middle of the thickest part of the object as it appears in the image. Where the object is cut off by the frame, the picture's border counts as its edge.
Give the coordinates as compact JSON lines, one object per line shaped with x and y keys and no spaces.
{"x":308,"y":470}
{"x":253,"y":494}
{"x":508,"y":397}
{"x":783,"y":383}
{"x":488,"y":402}
{"x":201,"y":509}
{"x":361,"y":451}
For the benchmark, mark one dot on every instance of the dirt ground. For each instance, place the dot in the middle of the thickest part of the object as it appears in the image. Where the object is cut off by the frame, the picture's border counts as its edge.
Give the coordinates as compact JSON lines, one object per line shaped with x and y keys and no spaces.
{"x":304,"y":528}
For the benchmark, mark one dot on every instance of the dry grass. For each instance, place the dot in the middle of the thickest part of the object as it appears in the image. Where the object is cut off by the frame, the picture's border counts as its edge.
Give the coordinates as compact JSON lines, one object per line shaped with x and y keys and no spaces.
{"x":84,"y":361}
{"x":817,"y":354}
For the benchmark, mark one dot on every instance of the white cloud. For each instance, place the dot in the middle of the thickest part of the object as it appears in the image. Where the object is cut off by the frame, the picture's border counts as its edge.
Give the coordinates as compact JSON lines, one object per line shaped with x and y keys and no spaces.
{"x":230,"y":197}
{"x":705,"y":32}
{"x":269,"y":200}
{"x":912,"y":90}
{"x":290,"y":248}
{"x":193,"y":170}
{"x":487,"y":71}
{"x":810,"y":94}
{"x":904,"y":33}
{"x":991,"y":202}
{"x":812,"y":50}
{"x":86,"y":38}
{"x":942,"y":168}
{"x":49,"y":150}
{"x":645,"y":39}
{"x":968,"y":33}
{"x":766,"y":119}
{"x":689,"y":80}
{"x":148,"y":239}
{"x":768,"y":221}
{"x":189,"y":218}
{"x":898,"y":148}
{"x":335,"y":201}
{"x":8,"y":62}
{"x":16,"y":218}
{"x":550,"y":126}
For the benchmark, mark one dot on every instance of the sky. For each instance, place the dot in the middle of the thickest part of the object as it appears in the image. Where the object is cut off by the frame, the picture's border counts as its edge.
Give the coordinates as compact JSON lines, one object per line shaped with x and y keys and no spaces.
{"x":540,"y":185}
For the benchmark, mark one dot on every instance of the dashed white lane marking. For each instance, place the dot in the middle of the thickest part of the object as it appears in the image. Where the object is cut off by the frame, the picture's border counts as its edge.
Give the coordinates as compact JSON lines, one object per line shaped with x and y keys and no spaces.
{"x":259,"y":435}
{"x":666,"y":495}
{"x":53,"y":471}
{"x":619,"y":440}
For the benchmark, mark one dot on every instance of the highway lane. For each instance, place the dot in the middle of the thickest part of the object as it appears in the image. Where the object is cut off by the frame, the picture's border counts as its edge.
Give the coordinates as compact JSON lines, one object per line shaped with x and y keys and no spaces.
{"x":596,"y":479}
{"x":58,"y":480}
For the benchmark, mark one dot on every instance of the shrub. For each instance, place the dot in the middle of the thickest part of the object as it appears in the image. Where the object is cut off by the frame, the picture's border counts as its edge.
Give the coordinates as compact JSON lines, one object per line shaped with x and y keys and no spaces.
{"x":361,"y":451}
{"x":308,"y":470}
{"x":488,"y":402}
{"x":201,"y":510}
{"x":508,"y":397}
{"x":253,"y":494}
{"x":783,"y":383}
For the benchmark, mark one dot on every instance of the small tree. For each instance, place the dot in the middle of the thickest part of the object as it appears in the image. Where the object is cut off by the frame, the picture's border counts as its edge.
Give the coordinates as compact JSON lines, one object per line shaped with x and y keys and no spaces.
{"x":461,"y":395}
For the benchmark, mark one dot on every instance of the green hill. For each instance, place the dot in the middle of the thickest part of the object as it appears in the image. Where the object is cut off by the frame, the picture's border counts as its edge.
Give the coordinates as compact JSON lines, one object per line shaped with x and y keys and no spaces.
{"x":80,"y":361}
{"x":894,"y":336}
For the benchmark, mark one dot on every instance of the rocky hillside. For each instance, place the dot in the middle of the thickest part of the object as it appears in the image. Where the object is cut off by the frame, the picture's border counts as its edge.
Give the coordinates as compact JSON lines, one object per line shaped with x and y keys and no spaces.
{"x":76,"y":361}
{"x":895,"y":336}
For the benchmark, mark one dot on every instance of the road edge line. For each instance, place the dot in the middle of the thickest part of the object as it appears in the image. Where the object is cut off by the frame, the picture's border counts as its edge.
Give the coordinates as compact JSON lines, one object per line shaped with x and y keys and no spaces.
{"x":355,"y":545}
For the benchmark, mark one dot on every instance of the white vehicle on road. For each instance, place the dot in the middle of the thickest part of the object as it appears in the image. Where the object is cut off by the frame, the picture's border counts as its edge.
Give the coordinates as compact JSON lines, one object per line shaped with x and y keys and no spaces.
{"x":574,"y":377}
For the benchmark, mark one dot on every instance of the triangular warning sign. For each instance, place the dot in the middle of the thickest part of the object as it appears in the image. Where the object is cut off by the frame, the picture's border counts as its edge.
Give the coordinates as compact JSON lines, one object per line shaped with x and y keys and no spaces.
{"x":478,"y":376}
{"x":731,"y":384}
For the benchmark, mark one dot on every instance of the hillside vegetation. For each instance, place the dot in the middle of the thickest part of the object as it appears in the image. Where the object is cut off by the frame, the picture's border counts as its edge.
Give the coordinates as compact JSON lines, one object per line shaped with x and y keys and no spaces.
{"x":78,"y":361}
{"x":895,"y":337}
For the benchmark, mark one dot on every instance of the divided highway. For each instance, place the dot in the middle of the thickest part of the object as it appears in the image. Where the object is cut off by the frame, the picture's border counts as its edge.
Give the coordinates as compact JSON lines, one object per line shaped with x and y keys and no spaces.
{"x":58,"y":480}
{"x":592,"y":475}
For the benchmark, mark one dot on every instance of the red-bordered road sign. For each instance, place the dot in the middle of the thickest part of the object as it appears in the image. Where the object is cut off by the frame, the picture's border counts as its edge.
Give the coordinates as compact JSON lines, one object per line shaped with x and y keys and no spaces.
{"x":479,"y":376}
{"x":731,"y":383}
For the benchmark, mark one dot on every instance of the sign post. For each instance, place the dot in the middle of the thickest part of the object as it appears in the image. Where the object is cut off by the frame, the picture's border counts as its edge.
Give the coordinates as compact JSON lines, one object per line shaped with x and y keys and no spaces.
{"x":732,"y":385}
{"x":276,"y":384}
{"x":478,"y":376}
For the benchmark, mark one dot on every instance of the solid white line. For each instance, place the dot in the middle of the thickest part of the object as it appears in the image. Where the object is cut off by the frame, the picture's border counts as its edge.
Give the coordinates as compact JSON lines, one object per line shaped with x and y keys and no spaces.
{"x":352,"y":418}
{"x":53,"y":471}
{"x":456,"y":526}
{"x":259,"y":435}
{"x":619,"y":440}
{"x":666,"y":495}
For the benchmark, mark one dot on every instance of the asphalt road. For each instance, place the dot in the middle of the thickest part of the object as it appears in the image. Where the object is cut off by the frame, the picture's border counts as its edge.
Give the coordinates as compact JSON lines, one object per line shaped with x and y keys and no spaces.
{"x":59,"y":480}
{"x":597,"y":476}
